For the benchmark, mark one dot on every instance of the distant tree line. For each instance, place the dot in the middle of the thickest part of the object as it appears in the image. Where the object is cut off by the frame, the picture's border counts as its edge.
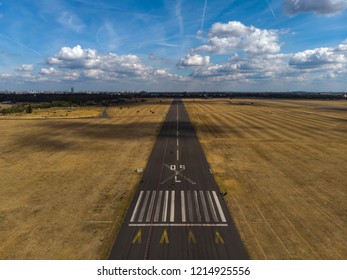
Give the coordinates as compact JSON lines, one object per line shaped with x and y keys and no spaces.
{"x":105,"y":99}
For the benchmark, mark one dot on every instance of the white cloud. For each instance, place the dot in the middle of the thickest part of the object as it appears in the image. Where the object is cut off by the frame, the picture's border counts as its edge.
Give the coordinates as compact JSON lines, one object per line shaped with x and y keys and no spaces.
{"x":232,"y":36}
{"x":25,"y":68}
{"x":88,"y":63}
{"x":71,"y":22}
{"x":193,"y":60}
{"x":318,"y":58}
{"x":342,"y":47}
{"x":317,"y":6}
{"x":50,"y":71}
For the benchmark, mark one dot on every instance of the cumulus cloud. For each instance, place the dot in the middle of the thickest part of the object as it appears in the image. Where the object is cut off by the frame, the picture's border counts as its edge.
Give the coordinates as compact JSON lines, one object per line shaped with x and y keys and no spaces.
{"x":50,"y":71}
{"x":318,"y":58}
{"x":234,"y":35}
{"x":77,"y":62}
{"x":25,"y":68}
{"x":255,"y":67}
{"x":193,"y":60}
{"x":317,"y":6}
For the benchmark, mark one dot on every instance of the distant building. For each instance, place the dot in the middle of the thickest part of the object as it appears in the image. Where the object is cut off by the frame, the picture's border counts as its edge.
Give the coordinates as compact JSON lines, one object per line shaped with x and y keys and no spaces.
{"x":72,"y":90}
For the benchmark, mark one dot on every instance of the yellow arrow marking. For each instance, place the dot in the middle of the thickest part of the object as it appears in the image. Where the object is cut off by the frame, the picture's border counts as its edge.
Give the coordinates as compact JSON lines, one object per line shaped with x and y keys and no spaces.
{"x":191,"y":237}
{"x":164,"y":238}
{"x":138,"y":237}
{"x":218,"y":238}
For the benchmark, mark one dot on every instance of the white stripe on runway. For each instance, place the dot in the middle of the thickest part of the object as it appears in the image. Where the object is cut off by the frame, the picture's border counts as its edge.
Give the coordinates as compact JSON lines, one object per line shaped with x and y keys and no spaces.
{"x":178,"y":225}
{"x":214,"y":214}
{"x":197,"y":206}
{"x":183,"y":207}
{"x":143,"y":209}
{"x":136,"y":207}
{"x":178,"y":156}
{"x":221,"y":214}
{"x":177,"y":142}
{"x":151,"y":205}
{"x":190,"y":207}
{"x":204,"y":207}
{"x":166,"y":202}
{"x":172,"y":210}
{"x":157,"y":209}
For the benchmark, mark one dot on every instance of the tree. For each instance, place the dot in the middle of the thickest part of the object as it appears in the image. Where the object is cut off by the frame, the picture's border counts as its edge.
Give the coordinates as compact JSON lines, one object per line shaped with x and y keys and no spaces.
{"x":29,"y":109}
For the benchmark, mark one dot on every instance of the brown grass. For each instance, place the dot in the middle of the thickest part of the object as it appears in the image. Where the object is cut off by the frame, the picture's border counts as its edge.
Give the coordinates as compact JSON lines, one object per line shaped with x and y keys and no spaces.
{"x":284,"y":166}
{"x":58,"y":112}
{"x":66,"y":183}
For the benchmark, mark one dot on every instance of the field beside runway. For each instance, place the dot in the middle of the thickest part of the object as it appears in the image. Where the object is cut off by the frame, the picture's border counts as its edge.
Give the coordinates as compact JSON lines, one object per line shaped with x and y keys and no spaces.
{"x":66,"y":183}
{"x":283,"y":165}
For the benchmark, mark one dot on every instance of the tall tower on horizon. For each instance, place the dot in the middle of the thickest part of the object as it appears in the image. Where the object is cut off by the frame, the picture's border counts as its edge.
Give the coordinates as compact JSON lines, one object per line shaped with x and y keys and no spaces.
{"x":72,"y":90}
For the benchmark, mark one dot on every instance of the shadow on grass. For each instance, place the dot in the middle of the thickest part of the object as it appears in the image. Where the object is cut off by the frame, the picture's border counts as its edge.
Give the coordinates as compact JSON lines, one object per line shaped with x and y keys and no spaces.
{"x":67,"y":135}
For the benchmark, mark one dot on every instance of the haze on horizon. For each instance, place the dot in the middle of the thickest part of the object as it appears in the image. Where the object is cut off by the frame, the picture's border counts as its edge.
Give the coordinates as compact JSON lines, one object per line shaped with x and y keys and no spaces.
{"x":174,"y":45}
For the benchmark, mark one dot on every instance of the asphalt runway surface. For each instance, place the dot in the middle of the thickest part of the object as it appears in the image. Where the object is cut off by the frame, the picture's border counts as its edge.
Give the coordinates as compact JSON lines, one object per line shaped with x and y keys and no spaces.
{"x":177,"y":211}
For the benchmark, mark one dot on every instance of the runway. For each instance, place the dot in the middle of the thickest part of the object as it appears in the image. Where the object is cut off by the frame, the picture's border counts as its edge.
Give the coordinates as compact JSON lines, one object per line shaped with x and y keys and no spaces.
{"x":177,"y":211}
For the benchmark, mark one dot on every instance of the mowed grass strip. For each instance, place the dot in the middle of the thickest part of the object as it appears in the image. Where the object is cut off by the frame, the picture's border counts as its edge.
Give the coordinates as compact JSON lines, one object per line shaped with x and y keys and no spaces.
{"x":283,"y":164}
{"x":66,"y":183}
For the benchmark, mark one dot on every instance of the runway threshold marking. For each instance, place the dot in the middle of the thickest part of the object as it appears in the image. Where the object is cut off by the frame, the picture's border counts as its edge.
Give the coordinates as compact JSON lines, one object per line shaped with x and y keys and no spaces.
{"x":136,"y":207}
{"x":183,"y":207}
{"x":172,"y":210}
{"x":192,"y":204}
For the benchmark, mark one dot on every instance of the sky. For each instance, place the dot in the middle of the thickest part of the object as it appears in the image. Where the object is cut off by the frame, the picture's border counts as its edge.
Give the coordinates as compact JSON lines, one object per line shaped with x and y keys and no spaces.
{"x":173,"y":45}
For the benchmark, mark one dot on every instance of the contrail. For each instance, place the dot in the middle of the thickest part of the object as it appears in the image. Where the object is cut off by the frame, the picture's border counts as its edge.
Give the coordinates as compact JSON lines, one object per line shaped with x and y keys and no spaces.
{"x":20,"y":44}
{"x":272,"y":11}
{"x":203,"y":16}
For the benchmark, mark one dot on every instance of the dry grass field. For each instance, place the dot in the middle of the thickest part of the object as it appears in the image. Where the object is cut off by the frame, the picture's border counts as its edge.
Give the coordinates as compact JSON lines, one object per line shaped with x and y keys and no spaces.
{"x":65,"y":184}
{"x":284,"y":166}
{"x":57,"y":112}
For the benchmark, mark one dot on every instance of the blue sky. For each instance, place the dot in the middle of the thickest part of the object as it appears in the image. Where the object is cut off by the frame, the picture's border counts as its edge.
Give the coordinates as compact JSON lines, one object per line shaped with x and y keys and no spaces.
{"x":179,"y":45}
